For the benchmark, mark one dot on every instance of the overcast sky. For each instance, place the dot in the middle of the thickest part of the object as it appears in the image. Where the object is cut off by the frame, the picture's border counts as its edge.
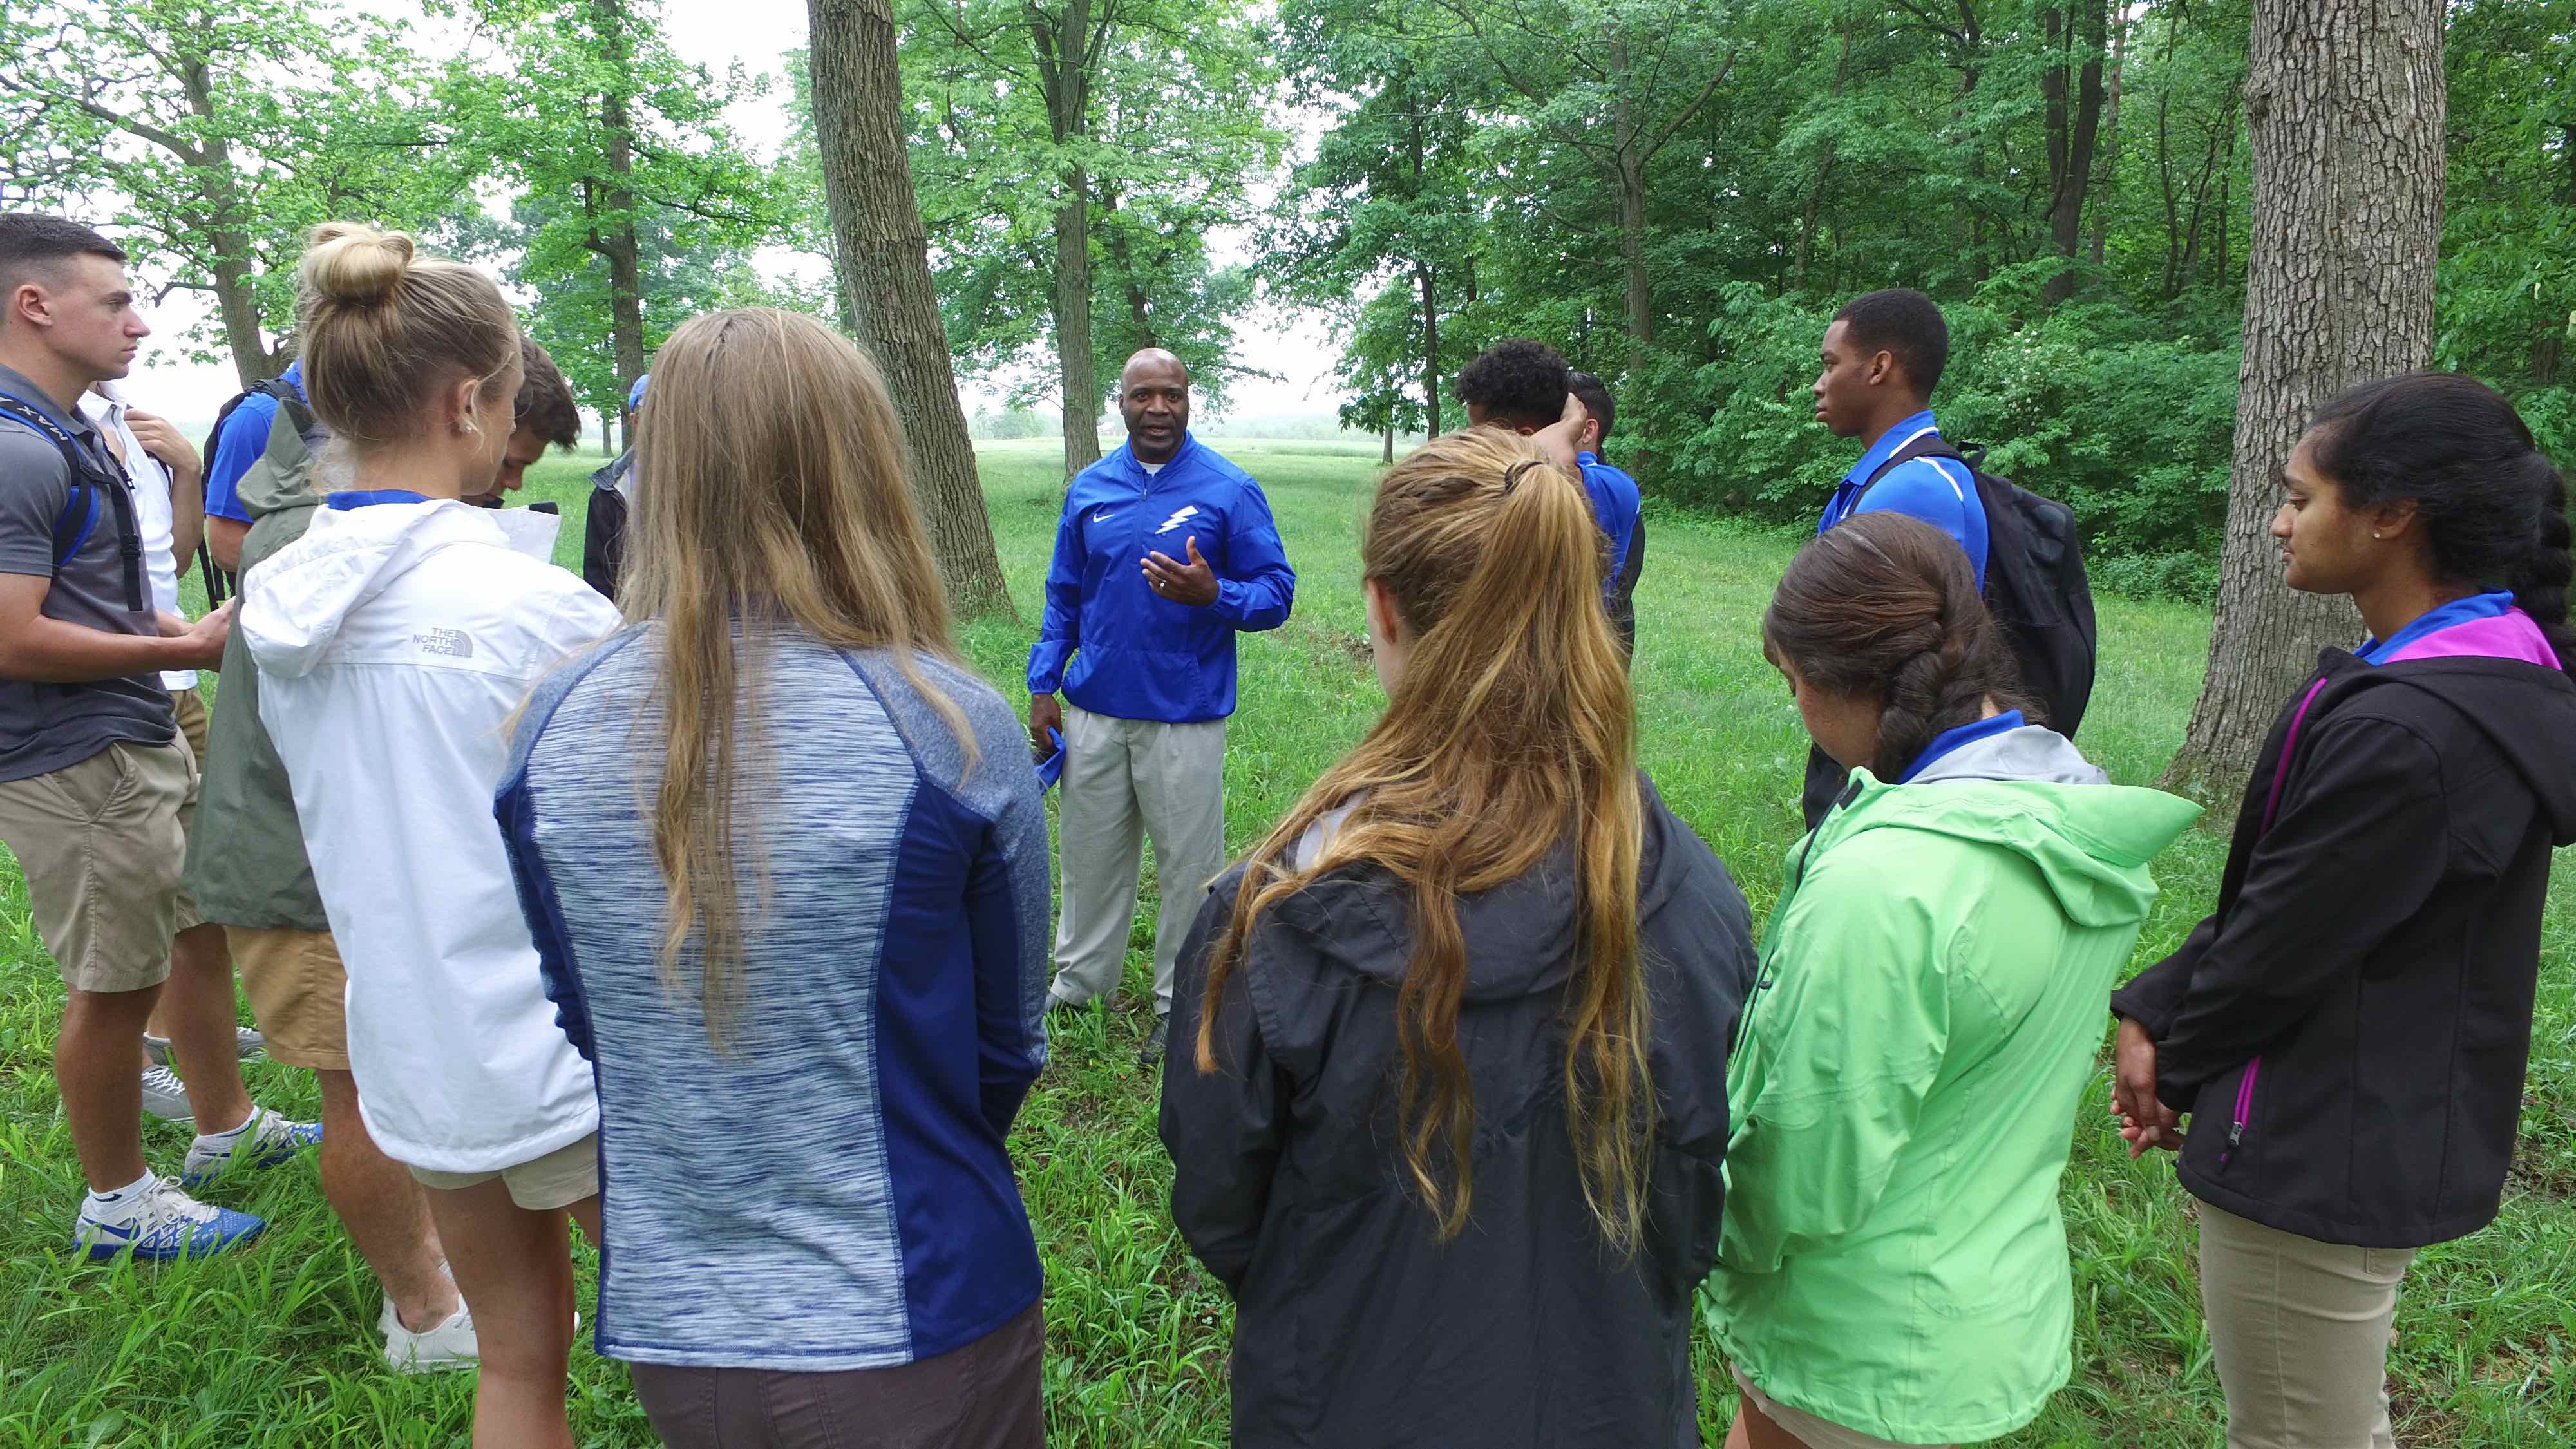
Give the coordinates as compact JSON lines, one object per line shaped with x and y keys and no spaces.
{"x":716,"y":33}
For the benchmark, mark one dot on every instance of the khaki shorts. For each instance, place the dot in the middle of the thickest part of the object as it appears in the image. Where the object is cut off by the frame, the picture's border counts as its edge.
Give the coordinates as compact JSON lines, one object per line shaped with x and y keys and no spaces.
{"x":557,"y":1180}
{"x":101,"y":843}
{"x":1806,"y":1428}
{"x":299,"y":994}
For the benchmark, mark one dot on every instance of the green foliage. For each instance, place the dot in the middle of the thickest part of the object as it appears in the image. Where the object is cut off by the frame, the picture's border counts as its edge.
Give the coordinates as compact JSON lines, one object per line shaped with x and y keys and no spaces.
{"x":1171,"y":139}
{"x":211,"y":138}
{"x":606,"y":135}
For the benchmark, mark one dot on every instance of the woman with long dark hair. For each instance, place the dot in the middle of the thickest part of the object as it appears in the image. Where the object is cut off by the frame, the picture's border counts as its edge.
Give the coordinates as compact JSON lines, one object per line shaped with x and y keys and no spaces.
{"x":1444,"y":1102}
{"x":2349,"y":1029}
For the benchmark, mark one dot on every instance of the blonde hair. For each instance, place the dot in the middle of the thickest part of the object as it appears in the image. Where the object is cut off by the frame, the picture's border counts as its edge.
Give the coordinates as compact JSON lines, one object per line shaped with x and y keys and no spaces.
{"x":773,"y":496}
{"x":1511,"y":730}
{"x":382,"y":328}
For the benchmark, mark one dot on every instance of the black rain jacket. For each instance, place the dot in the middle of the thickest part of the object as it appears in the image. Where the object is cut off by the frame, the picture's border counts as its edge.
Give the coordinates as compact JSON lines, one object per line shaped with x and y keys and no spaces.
{"x":2350,"y":1028}
{"x":1353,"y":1326}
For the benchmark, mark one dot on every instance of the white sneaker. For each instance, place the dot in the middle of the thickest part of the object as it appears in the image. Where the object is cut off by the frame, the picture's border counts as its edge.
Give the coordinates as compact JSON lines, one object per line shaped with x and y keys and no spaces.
{"x":162,"y":1225}
{"x":246,"y":1044}
{"x":266,"y":1140}
{"x":448,"y":1346}
{"x":165,"y":1096}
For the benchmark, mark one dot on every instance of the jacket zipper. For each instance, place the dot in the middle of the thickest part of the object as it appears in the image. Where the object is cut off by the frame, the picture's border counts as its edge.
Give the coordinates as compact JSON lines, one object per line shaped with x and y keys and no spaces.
{"x":2244,"y":1108}
{"x":2271,"y":807}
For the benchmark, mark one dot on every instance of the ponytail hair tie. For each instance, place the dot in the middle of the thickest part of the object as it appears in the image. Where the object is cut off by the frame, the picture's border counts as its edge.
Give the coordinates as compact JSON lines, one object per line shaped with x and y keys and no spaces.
{"x":1512,"y":475}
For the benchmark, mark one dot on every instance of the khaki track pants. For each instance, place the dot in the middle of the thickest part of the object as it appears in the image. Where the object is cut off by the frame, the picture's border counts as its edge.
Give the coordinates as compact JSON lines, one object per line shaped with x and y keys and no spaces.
{"x":1126,"y":780}
{"x":2300,"y":1330}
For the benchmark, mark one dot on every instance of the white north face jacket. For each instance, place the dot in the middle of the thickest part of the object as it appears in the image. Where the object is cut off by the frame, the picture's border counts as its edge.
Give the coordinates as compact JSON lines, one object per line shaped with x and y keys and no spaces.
{"x":394,"y":640}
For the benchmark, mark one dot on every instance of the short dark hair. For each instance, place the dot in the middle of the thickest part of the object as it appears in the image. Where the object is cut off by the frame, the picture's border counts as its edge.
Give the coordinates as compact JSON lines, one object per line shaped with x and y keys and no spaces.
{"x":1905,"y":324}
{"x":1517,"y":380}
{"x":29,"y":241}
{"x":1596,"y":399}
{"x":544,"y":403}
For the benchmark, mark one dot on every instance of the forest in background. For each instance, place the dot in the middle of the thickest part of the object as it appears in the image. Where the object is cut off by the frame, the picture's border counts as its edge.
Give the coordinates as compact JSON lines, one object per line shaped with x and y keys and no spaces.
{"x":1678,"y":193}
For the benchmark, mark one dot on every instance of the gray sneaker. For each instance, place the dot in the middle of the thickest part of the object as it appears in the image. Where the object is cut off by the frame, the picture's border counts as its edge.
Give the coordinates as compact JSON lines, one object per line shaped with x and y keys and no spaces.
{"x":165,"y":1096}
{"x":246,"y":1044}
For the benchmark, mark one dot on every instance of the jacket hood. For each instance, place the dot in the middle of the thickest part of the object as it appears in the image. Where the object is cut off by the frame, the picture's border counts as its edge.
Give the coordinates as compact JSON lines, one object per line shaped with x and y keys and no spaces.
{"x":2028,"y":791}
{"x":1520,"y":936}
{"x":2527,"y":711}
{"x":295,"y":601}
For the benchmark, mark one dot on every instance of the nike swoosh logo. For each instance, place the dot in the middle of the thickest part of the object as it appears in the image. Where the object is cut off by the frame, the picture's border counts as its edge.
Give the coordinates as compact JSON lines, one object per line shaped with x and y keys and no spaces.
{"x":1101,"y":517}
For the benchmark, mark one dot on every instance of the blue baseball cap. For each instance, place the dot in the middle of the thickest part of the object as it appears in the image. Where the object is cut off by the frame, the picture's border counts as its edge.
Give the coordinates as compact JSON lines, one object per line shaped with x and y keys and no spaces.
{"x":635,"y":394}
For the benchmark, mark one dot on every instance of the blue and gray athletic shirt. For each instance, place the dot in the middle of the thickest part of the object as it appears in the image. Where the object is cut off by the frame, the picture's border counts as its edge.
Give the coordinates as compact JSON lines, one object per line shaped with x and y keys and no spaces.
{"x":1940,"y":491}
{"x":831,"y":1190}
{"x":243,"y":437}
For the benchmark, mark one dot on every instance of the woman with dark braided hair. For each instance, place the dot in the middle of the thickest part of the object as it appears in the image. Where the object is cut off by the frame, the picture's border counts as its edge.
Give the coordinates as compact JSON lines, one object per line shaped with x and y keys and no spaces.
{"x":2350,"y":1028}
{"x":1893,"y":1268}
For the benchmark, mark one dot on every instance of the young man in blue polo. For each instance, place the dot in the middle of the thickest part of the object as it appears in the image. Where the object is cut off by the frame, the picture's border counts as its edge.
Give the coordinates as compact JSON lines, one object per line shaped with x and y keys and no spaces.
{"x":1880,"y":360}
{"x":1523,"y":385}
{"x":1165,"y":550}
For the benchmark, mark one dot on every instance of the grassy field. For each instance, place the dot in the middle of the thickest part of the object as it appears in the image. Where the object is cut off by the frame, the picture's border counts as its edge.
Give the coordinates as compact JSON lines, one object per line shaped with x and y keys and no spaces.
{"x":276,"y":1346}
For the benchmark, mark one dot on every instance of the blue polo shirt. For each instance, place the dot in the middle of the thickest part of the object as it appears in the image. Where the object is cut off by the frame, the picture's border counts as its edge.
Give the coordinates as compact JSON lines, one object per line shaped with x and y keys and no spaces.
{"x":243,"y":438}
{"x":1939,"y":491}
{"x":1616,"y":501}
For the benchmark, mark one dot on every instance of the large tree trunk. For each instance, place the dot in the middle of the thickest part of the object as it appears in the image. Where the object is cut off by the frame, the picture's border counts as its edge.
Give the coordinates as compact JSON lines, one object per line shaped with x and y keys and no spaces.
{"x":867,"y":180}
{"x":2071,"y":138}
{"x":1073,"y":359}
{"x":2110,"y":152}
{"x":2344,"y":107}
{"x":613,"y":235}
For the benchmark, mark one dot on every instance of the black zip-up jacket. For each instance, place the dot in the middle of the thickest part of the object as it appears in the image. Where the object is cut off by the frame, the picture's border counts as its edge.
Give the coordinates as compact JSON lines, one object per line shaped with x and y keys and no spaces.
{"x":1354,"y":1327}
{"x":2350,"y":1028}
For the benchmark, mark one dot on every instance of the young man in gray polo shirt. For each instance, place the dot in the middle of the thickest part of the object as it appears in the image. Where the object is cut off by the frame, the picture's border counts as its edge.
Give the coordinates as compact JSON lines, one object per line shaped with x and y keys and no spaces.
{"x":94,"y":776}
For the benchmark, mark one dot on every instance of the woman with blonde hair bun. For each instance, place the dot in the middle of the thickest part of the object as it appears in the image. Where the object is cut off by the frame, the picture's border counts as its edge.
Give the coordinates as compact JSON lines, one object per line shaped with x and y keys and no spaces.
{"x":394,"y":639}
{"x":1446,"y":1101}
{"x":786,"y":866}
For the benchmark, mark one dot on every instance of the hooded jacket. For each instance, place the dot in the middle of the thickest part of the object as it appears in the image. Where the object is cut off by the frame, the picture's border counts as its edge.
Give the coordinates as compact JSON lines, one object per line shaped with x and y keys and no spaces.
{"x":1906,"y":1082}
{"x":1109,"y":642}
{"x":246,"y":860}
{"x":2350,"y":1028}
{"x":394,"y":640}
{"x":1354,"y":1327}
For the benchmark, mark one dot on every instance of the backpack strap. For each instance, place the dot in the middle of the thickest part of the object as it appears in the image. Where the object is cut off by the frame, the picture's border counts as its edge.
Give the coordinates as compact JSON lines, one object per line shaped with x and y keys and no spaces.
{"x":91,"y":475}
{"x":1929,"y":444}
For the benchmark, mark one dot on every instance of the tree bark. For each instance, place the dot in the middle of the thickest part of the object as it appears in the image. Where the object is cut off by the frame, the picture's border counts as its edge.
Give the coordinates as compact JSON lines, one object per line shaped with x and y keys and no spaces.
{"x":2110,"y":152}
{"x":867,"y":181}
{"x":2071,"y":138}
{"x":1063,"y":50}
{"x":2345,"y":111}
{"x":612,"y":234}
{"x":236,"y":294}
{"x":1430,"y":347}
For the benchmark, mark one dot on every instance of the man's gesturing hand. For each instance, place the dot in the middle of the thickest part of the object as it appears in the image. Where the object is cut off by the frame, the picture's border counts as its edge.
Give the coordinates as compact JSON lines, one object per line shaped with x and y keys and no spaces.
{"x":1044,"y":715}
{"x":1192,"y":583}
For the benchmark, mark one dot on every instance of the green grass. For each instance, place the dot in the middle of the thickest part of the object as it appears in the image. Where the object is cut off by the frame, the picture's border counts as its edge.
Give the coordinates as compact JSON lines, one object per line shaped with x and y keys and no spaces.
{"x":276,"y":1346}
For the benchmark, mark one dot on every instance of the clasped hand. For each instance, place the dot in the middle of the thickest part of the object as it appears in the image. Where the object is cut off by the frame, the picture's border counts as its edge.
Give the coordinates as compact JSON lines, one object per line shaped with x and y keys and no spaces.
{"x":2145,"y":1121}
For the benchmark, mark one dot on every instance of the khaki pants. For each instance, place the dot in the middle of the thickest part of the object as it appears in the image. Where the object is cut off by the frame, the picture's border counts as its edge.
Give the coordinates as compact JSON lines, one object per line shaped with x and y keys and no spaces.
{"x":2300,"y":1330}
{"x":1124,"y":780}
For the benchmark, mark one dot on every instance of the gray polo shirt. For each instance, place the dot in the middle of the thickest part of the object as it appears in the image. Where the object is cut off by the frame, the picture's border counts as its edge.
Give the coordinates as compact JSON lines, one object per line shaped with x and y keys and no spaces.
{"x":46,"y":727}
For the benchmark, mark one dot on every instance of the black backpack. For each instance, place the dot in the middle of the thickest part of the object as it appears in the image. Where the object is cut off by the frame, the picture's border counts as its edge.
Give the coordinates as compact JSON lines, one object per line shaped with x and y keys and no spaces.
{"x":2035,"y":584}
{"x":306,"y":426}
{"x":603,"y":544}
{"x":94,"y":476}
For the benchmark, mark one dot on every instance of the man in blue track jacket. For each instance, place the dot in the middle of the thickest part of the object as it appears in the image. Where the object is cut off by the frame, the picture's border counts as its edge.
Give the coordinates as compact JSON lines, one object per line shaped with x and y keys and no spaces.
{"x":1165,"y":549}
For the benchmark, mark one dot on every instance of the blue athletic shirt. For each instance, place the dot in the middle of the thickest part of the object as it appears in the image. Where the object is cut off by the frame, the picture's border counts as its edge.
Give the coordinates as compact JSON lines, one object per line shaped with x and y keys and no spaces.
{"x":243,"y":438}
{"x":1616,"y":501}
{"x":1939,"y":491}
{"x":1109,"y":642}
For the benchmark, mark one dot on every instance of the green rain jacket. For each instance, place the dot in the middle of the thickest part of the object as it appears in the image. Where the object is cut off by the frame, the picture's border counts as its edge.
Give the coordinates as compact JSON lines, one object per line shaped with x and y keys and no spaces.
{"x":1906,"y":1082}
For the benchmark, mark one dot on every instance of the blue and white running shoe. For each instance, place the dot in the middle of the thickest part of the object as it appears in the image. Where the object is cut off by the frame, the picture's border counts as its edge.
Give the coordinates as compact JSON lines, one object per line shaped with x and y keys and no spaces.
{"x":165,"y":1226}
{"x":266,"y":1140}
